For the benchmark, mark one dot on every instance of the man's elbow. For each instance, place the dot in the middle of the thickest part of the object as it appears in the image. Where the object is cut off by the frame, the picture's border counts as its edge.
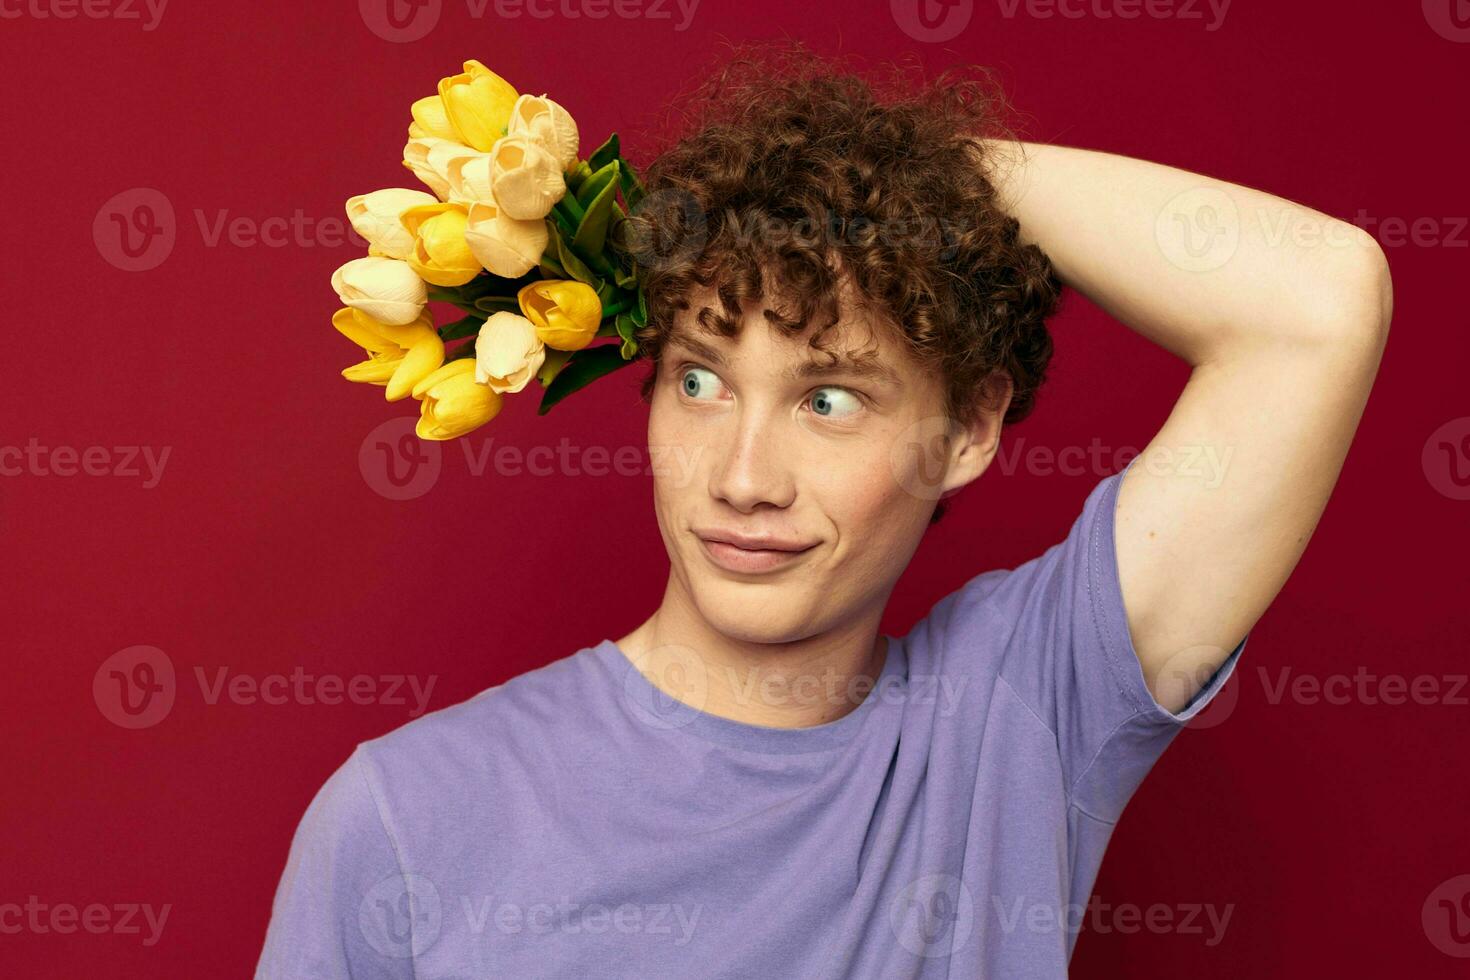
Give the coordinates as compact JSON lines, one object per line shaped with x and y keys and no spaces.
{"x":1355,"y":298}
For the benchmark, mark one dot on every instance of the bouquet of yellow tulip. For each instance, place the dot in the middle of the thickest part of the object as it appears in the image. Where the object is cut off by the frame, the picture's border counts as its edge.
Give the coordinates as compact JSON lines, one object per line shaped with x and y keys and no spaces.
{"x":515,"y":235}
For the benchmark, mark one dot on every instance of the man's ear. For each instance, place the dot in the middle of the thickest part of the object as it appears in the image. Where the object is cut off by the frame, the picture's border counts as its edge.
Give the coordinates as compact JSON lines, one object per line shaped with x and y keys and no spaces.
{"x":973,"y":446}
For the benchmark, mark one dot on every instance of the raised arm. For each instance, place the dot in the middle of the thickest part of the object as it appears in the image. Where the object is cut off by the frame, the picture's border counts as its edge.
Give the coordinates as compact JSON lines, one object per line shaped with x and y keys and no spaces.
{"x":1282,"y":313}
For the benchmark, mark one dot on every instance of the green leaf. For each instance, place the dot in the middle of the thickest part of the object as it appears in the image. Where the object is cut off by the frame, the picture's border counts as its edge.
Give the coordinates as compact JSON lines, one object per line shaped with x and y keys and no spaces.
{"x":640,"y":312}
{"x":592,"y":233}
{"x":627,"y":279}
{"x":459,"y":329}
{"x":632,"y":187}
{"x":625,"y":326}
{"x":584,"y":367}
{"x":578,"y":174}
{"x":594,"y":184}
{"x":609,"y":150}
{"x":572,"y":266}
{"x":497,"y":304}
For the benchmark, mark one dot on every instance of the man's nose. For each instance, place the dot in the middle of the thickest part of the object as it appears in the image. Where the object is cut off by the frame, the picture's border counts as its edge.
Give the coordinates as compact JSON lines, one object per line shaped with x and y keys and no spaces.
{"x":755,"y":462}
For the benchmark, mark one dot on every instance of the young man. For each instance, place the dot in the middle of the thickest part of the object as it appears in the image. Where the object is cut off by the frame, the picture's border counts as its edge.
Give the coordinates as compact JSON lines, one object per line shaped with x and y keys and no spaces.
{"x":754,"y":782}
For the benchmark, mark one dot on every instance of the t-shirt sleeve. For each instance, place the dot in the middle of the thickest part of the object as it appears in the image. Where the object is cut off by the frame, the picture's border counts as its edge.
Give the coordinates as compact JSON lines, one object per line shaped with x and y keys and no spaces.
{"x":1069,"y":656}
{"x":339,"y":910}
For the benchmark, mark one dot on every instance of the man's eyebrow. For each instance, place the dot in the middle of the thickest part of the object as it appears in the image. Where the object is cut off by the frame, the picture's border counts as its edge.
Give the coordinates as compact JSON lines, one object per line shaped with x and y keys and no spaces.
{"x":870,"y":368}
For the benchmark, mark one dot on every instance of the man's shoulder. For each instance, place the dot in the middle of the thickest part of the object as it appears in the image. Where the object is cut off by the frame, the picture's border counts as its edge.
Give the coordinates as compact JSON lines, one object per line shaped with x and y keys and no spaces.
{"x":520,"y":712}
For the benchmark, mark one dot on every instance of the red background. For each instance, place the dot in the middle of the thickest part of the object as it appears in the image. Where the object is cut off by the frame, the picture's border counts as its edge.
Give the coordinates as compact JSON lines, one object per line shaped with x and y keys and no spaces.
{"x":263,"y":548}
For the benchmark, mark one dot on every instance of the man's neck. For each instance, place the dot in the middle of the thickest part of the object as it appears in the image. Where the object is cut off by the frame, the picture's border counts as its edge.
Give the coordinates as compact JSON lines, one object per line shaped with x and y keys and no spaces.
{"x":799,"y":684}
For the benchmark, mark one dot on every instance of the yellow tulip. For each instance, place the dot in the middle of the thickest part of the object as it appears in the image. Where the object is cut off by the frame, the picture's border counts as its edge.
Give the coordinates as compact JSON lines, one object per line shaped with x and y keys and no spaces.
{"x":440,"y":253}
{"x":431,"y":119}
{"x":453,"y":403}
{"x":566,"y":313}
{"x":477,"y":103}
{"x":398,"y":356}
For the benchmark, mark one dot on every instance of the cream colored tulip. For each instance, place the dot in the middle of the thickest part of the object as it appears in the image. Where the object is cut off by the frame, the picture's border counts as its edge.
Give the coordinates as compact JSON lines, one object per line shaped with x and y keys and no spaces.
{"x":477,"y":103}
{"x":526,"y":178}
{"x":547,"y":123}
{"x":507,"y":247}
{"x":429,"y":159}
{"x":416,"y":159}
{"x":469,"y":179}
{"x":507,"y":352}
{"x":388,"y":290}
{"x":374,"y":216}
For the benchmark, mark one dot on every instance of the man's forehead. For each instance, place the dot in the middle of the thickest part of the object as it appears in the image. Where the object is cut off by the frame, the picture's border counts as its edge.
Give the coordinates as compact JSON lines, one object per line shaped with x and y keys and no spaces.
{"x":847,"y":348}
{"x":860,"y":342}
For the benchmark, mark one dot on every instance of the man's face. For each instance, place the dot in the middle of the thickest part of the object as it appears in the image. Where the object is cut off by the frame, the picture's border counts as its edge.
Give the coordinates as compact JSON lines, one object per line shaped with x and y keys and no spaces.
{"x":819,"y":481}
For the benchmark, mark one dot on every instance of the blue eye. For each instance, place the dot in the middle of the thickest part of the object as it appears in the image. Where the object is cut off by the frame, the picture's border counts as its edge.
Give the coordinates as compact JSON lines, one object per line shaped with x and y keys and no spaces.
{"x":691,"y":385}
{"x":835,"y":402}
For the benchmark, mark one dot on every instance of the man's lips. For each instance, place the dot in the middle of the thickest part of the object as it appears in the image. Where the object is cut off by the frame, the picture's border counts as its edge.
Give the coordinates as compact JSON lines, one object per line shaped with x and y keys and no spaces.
{"x":749,"y":553}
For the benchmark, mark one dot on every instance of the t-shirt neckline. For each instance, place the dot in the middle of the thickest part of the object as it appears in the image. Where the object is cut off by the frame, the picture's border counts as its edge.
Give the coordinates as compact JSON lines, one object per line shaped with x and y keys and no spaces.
{"x":646,"y":703}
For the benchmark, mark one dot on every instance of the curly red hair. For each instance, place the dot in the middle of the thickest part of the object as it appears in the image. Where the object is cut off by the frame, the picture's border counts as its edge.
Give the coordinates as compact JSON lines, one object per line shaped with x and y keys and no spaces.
{"x":793,"y":172}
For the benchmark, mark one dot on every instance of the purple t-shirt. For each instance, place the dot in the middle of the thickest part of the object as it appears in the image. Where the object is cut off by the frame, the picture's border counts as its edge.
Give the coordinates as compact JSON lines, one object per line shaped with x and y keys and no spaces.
{"x":575,"y":822}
